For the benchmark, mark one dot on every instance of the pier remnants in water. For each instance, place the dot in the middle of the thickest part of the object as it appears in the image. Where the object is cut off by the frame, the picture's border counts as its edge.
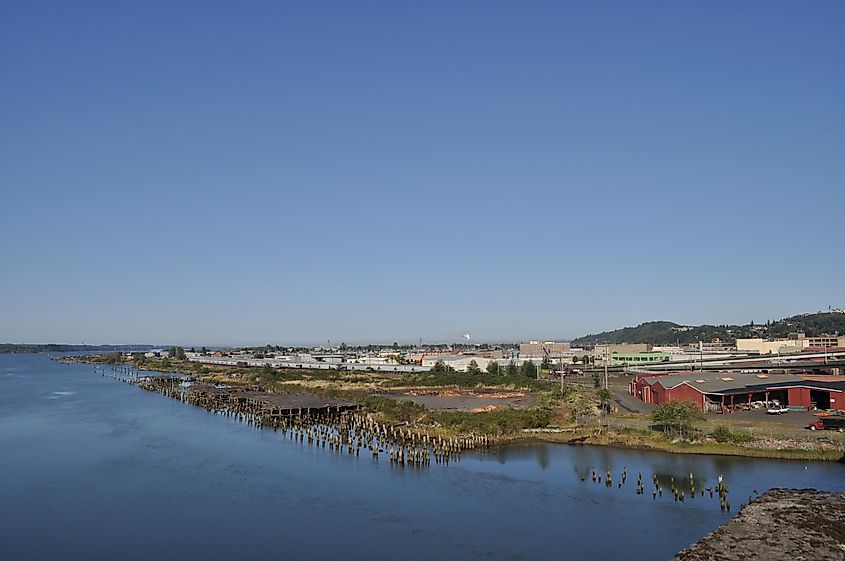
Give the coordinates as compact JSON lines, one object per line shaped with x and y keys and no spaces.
{"x":321,"y":421}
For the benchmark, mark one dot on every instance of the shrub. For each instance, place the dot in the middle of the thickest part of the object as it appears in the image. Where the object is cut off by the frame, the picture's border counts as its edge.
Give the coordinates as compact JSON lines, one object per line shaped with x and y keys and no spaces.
{"x":723,"y":434}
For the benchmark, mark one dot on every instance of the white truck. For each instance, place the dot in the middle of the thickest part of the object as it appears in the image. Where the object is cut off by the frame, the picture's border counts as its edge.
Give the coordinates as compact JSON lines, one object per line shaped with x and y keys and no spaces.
{"x":777,"y":409}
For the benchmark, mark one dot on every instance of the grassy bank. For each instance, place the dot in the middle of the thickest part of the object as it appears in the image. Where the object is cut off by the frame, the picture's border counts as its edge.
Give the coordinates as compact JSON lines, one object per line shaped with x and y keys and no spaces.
{"x":649,"y":440}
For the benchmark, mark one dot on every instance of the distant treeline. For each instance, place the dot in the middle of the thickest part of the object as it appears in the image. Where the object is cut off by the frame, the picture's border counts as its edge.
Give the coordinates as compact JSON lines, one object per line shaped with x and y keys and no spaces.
{"x":6,"y":348}
{"x":668,"y":333}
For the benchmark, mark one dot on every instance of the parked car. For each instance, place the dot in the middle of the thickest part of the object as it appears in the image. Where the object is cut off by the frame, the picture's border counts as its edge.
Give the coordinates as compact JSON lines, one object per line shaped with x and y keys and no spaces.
{"x":828,"y":423}
{"x":777,"y":410}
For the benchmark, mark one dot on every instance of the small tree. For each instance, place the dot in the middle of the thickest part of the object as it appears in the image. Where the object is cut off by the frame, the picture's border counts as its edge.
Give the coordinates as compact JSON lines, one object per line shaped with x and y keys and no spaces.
{"x":586,"y":359}
{"x":546,"y":364}
{"x":529,"y":370}
{"x":676,"y":415}
{"x":179,"y":353}
{"x":493,"y":368}
{"x":113,"y":358}
{"x":605,"y":396}
{"x":267,"y":371}
{"x":472,"y":368}
{"x":440,"y":367}
{"x":575,"y":360}
{"x":512,"y":369}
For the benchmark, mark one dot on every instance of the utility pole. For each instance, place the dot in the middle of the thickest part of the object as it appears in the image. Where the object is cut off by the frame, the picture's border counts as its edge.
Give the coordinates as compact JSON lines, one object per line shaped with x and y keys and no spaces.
{"x":606,"y":358}
{"x":561,"y":376}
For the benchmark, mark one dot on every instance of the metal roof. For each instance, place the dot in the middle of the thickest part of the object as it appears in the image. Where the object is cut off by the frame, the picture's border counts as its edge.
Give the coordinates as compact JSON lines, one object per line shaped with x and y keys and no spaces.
{"x":724,"y":382}
{"x":840,"y":386}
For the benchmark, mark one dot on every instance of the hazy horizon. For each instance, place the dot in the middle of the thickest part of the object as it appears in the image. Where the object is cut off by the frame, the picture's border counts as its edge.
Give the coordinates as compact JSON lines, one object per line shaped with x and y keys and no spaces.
{"x":457,"y":339}
{"x":297,"y":173}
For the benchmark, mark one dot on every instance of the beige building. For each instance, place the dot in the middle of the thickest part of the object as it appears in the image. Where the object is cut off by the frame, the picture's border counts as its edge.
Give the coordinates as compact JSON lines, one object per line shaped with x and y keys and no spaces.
{"x":796,"y":343}
{"x":622,"y":348}
{"x":825,"y":341}
{"x":541,"y":348}
{"x":761,"y":346}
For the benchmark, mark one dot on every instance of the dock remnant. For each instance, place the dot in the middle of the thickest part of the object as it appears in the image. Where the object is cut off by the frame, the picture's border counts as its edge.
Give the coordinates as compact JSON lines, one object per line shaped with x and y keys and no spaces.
{"x":321,"y":420}
{"x":781,"y":524}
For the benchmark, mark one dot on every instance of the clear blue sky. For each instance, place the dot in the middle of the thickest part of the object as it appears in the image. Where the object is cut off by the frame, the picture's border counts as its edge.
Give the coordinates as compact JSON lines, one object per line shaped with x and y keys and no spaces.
{"x":254,"y":172}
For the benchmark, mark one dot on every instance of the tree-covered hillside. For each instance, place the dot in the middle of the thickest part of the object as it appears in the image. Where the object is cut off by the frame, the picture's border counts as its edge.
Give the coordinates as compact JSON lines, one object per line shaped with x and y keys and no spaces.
{"x":668,"y":333}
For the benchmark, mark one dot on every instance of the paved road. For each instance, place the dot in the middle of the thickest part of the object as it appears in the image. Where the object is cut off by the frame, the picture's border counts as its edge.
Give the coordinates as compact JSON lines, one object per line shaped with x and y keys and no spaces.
{"x":627,"y":402}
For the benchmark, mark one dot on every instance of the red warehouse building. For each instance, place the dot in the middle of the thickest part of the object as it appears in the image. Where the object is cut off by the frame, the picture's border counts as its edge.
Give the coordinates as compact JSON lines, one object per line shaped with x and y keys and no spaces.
{"x":727,"y":392}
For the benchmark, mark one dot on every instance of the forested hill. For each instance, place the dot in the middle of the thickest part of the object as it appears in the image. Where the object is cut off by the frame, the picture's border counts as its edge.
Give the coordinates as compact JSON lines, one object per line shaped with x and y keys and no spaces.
{"x":668,"y":333}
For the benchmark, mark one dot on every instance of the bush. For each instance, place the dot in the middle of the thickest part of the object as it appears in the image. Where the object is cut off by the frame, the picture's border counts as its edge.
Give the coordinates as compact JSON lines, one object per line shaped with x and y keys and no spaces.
{"x":500,"y":422}
{"x":394,"y":410}
{"x":724,"y":435}
{"x":113,"y":358}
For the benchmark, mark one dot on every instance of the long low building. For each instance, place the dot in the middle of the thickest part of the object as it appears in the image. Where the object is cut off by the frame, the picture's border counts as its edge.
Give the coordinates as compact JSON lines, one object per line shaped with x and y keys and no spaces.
{"x":458,"y":362}
{"x":241,"y":361}
{"x":461,"y":362}
{"x":728,"y":392}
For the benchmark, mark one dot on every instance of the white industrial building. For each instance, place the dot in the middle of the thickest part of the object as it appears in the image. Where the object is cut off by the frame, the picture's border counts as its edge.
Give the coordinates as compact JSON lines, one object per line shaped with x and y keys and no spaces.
{"x":458,"y":362}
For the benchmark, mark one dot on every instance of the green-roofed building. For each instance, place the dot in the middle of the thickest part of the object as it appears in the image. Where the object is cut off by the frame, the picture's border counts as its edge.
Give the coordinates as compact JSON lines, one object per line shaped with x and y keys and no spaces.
{"x":634,"y":359}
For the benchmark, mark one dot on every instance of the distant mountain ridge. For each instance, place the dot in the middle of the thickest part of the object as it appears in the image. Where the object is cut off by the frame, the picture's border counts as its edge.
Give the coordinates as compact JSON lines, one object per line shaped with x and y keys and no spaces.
{"x":670,"y":333}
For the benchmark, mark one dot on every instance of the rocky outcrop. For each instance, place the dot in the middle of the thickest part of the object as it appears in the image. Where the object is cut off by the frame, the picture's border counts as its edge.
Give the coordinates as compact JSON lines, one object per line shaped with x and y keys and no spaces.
{"x":781,"y":524}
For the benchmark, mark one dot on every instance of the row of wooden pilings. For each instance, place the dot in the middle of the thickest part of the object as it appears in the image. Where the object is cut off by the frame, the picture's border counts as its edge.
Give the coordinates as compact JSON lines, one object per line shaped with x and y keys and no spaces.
{"x":340,"y":428}
{"x":120,"y":372}
{"x":679,"y":492}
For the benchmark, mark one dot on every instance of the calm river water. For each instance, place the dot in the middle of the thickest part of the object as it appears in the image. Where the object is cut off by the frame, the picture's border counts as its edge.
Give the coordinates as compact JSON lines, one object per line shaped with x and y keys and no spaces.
{"x":91,"y":468}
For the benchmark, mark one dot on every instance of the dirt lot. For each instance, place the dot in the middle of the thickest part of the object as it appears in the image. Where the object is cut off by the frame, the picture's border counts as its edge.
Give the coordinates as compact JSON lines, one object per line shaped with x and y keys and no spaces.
{"x":467,"y":400}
